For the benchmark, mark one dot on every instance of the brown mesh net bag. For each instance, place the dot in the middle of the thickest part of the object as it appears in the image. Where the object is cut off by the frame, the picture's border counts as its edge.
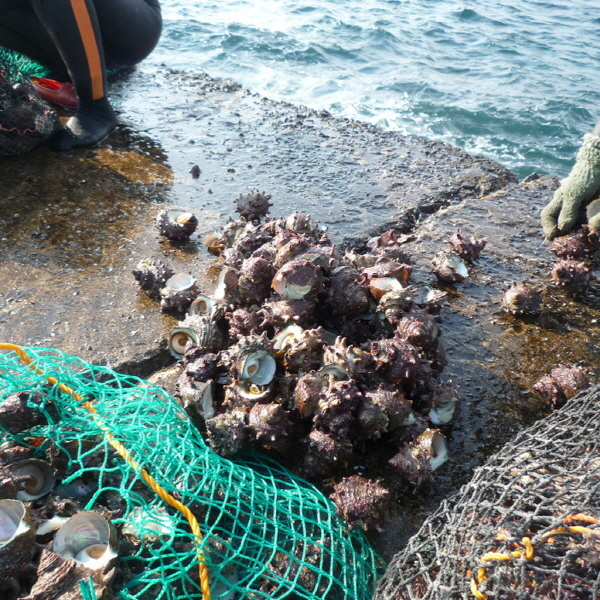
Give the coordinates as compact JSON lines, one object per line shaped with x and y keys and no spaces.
{"x":525,"y":527}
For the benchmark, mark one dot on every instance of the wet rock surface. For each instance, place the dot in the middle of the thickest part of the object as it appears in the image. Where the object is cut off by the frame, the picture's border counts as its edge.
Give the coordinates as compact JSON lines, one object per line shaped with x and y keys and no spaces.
{"x":73,"y":226}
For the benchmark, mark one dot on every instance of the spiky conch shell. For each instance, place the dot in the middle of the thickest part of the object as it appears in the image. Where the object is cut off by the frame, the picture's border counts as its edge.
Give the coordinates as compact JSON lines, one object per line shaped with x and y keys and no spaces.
{"x":337,"y":408}
{"x":227,"y":433}
{"x":444,"y":402}
{"x":252,"y":347}
{"x":306,"y":394}
{"x":449,"y":267}
{"x":324,"y":454}
{"x":245,"y":321}
{"x":200,"y":330}
{"x":305,"y":224}
{"x":299,"y":349}
{"x":575,"y":246}
{"x":419,"y":328}
{"x":572,"y":275}
{"x":467,"y":247}
{"x":354,"y":359}
{"x":397,"y":360}
{"x":179,"y":293}
{"x":254,"y":282}
{"x":152,"y":276}
{"x":346,"y":294}
{"x":522,"y":300}
{"x":362,"y":503}
{"x":176,"y":224}
{"x":244,"y":394}
{"x":271,"y":427}
{"x":289,"y":247}
{"x":395,"y":303}
{"x":253,"y":206}
{"x":562,"y":383}
{"x":281,"y":313}
{"x":251,"y":240}
{"x":196,"y":397}
{"x":298,"y":279}
{"x":396,"y":408}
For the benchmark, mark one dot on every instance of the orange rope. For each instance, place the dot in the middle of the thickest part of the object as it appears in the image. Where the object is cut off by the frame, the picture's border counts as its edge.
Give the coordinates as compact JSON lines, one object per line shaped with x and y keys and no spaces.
{"x":154,"y":485}
{"x":528,"y":550}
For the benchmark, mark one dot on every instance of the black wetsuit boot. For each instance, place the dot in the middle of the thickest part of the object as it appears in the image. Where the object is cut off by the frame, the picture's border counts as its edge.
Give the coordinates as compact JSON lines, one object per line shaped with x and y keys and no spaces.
{"x":73,"y":25}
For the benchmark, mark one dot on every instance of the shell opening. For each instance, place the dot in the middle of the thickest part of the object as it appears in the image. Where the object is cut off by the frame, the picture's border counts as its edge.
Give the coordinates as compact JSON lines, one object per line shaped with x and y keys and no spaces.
{"x":202,"y":305}
{"x":259,"y":367}
{"x":180,"y":282}
{"x":178,"y":339}
{"x":40,"y":478}
{"x":12,"y":523}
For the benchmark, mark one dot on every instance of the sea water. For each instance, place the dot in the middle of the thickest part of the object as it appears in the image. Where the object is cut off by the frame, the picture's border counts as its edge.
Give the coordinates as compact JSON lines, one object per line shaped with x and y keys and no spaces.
{"x":515,"y":80}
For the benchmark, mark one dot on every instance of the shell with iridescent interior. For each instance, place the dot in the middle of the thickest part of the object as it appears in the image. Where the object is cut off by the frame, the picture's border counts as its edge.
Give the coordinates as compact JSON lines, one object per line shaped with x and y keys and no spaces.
{"x":176,"y":224}
{"x":17,"y":546}
{"x":179,"y":293}
{"x":88,"y":539}
{"x":299,"y":349}
{"x":522,"y":300}
{"x":152,"y":276}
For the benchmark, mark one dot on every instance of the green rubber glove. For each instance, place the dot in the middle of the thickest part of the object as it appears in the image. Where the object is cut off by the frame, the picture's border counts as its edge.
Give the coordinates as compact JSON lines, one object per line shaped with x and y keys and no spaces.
{"x":575,"y":191}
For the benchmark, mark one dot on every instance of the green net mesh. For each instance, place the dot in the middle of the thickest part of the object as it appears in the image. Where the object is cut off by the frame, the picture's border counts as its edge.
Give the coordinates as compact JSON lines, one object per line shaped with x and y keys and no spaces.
{"x":266,"y":533}
{"x":543,"y":486}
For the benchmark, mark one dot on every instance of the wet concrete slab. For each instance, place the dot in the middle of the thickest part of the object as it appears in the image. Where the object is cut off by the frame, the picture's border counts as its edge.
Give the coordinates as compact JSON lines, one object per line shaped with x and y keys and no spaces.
{"x":74,"y":225}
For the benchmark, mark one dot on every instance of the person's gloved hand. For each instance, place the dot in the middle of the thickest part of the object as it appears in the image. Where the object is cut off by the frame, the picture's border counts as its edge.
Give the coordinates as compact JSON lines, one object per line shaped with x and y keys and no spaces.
{"x":575,"y":191}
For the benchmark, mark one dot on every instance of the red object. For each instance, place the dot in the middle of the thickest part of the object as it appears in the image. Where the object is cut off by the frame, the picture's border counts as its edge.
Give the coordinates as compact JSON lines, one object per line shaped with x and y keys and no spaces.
{"x":53,"y":91}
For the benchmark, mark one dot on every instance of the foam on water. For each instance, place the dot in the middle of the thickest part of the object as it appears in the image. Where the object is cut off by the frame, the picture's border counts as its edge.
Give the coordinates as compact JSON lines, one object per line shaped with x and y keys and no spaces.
{"x":514,"y":80}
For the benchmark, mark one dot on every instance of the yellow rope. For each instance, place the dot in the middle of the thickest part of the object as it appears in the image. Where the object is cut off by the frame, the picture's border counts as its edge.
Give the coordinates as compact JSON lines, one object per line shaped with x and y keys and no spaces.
{"x":528,"y":550}
{"x":154,"y":485}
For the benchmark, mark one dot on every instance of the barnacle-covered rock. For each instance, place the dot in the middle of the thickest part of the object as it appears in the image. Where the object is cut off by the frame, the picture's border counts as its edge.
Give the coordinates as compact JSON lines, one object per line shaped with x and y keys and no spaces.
{"x":176,"y":224}
{"x":299,"y":349}
{"x":572,"y":275}
{"x":270,"y":426}
{"x":397,"y":360}
{"x":354,"y":359}
{"x":575,"y":246}
{"x":361,"y":502}
{"x":522,"y":300}
{"x":562,"y":384}
{"x":254,"y":282}
{"x":251,"y":359}
{"x":253,"y":206}
{"x":325,"y":454}
{"x":227,"y":432}
{"x":444,"y":402}
{"x":449,"y":267}
{"x":152,"y":276}
{"x":298,"y":279}
{"x":419,"y":328}
{"x":306,"y":394}
{"x":337,"y":407}
{"x":467,"y":247}
{"x":346,"y":294}
{"x":179,"y":292}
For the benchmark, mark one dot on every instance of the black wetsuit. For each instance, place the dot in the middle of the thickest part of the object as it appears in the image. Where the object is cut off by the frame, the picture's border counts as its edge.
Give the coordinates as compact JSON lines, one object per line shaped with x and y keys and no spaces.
{"x":80,"y":39}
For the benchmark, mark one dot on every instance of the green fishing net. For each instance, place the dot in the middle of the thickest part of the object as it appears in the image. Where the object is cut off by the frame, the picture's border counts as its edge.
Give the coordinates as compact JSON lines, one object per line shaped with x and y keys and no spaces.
{"x":265,"y":532}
